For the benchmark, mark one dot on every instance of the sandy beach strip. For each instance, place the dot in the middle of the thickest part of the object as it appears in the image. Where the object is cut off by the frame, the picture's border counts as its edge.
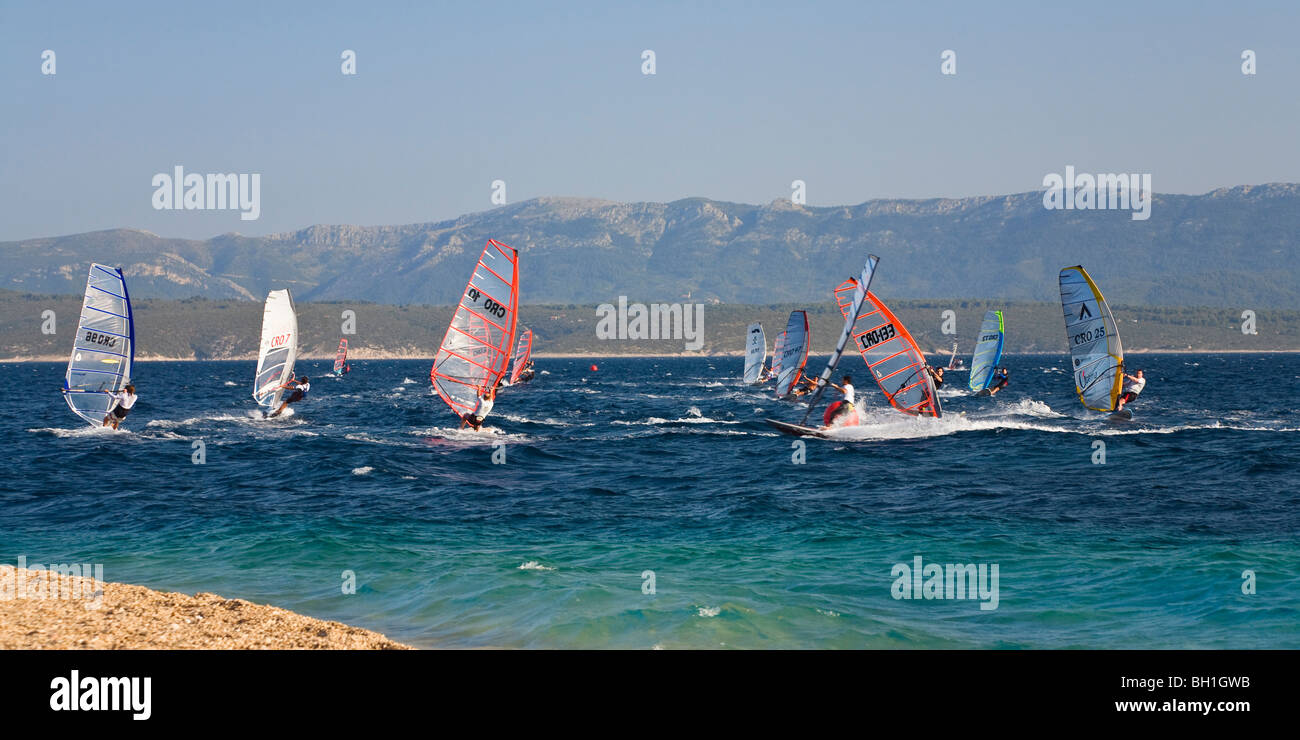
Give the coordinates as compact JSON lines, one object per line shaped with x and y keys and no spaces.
{"x":36,"y":612}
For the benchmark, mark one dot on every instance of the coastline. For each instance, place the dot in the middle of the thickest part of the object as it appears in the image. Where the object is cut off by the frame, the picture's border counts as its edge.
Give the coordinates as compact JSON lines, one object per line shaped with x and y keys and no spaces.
{"x":68,"y":612}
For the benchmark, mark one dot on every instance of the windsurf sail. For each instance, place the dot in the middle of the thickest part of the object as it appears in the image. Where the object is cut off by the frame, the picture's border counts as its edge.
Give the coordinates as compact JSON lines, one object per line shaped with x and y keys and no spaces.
{"x":891,"y":354}
{"x":476,"y":349}
{"x":341,"y":356}
{"x":1095,"y":349}
{"x":794,"y":353}
{"x":523,"y":352}
{"x":988,"y":351}
{"x":755,"y":353}
{"x":777,"y":348}
{"x":103,"y":349}
{"x":953,"y":362}
{"x":862,"y":284}
{"x":279,"y":348}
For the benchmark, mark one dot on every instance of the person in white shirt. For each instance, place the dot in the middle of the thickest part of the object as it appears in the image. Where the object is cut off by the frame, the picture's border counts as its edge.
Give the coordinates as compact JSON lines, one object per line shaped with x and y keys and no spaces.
{"x":846,"y":398}
{"x":482,"y":407}
{"x":121,"y":405}
{"x":300,"y":387}
{"x":1133,"y":385}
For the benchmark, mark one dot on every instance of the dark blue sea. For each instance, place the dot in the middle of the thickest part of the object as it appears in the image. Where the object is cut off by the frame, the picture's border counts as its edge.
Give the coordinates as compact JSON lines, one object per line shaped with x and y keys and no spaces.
{"x":646,"y":505}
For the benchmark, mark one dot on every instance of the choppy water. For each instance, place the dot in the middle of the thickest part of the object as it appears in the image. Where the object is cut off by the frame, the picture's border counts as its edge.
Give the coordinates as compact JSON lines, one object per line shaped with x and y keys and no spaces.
{"x":666,"y":466}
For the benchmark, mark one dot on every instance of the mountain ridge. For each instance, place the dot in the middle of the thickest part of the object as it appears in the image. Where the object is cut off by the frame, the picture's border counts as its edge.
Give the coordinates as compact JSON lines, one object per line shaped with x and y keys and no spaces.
{"x":1233,"y":246}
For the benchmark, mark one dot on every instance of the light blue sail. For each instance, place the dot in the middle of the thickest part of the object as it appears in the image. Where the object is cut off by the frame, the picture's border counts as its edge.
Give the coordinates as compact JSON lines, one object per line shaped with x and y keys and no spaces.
{"x":988,"y":351}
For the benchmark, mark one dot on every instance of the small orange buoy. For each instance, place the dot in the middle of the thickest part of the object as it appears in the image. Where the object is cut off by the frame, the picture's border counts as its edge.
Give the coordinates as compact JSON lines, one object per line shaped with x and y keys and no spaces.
{"x":594,"y":368}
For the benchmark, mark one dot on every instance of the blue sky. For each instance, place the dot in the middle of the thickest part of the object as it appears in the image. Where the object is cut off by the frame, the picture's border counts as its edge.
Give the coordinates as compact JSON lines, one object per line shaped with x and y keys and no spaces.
{"x":549,"y":97}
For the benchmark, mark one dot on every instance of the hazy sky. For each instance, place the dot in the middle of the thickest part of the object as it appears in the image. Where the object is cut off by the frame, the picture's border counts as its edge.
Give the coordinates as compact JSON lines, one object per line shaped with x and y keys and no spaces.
{"x":550,"y":98}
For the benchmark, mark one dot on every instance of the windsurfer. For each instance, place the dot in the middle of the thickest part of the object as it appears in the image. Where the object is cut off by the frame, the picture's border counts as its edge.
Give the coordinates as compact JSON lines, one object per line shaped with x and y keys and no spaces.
{"x":300,"y":387}
{"x":123,"y":400}
{"x":1133,"y":385}
{"x":806,"y":385}
{"x":999,"y":380}
{"x":936,"y":374}
{"x":847,"y":397}
{"x":482,"y":407}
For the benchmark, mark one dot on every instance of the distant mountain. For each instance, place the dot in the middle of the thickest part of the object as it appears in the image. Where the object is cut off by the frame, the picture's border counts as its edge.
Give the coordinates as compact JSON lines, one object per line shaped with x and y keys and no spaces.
{"x":1235,"y":248}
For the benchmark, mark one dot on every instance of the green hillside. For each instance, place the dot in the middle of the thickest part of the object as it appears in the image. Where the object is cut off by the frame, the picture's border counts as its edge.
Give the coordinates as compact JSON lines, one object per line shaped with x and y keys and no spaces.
{"x":205,"y":329}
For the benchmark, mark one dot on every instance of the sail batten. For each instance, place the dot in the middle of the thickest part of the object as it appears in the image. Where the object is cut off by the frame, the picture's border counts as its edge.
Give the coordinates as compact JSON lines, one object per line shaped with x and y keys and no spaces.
{"x":105,"y":339}
{"x":1096,"y":353}
{"x":476,"y":351}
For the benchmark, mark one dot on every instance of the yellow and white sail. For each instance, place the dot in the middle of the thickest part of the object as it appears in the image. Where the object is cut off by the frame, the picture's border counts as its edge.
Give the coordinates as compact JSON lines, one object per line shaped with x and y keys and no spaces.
{"x":1095,"y":349}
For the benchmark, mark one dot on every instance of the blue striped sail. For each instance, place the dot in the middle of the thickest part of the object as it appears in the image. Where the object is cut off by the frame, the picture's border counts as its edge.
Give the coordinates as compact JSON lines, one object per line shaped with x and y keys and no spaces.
{"x":104,"y":348}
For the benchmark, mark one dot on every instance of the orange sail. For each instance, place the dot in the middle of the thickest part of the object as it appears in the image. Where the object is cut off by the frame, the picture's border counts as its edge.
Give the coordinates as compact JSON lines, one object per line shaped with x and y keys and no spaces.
{"x":895,"y":361}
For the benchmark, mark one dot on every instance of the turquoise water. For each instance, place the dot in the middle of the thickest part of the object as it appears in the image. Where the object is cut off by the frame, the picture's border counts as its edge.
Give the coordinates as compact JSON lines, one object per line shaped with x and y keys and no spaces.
{"x":664,"y":465}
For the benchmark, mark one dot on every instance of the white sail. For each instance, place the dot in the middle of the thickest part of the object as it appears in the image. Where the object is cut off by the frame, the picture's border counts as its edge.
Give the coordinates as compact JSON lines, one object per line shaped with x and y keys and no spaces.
{"x":778,"y":348}
{"x":104,"y":347}
{"x":755,"y":353}
{"x":1095,"y":349}
{"x":279,"y":348}
{"x":794,"y":352}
